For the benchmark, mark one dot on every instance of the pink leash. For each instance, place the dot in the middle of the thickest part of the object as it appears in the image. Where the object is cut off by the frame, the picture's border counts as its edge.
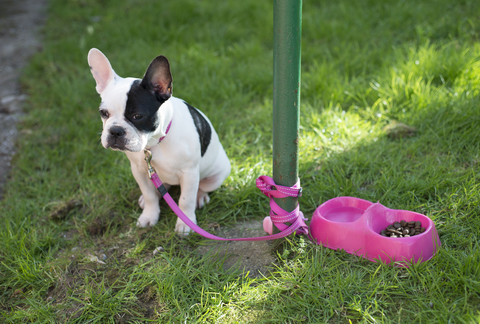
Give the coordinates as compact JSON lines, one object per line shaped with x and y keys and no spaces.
{"x":286,"y":222}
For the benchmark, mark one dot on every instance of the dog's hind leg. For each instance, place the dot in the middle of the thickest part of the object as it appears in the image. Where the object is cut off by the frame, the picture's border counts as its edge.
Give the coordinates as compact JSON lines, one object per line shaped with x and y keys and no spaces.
{"x":207,"y":185}
{"x":202,"y":198}
{"x":212,"y":182}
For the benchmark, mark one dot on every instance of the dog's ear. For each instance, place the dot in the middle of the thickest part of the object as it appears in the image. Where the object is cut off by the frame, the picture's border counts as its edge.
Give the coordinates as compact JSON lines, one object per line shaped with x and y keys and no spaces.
{"x":158,"y":78}
{"x":101,"y":69}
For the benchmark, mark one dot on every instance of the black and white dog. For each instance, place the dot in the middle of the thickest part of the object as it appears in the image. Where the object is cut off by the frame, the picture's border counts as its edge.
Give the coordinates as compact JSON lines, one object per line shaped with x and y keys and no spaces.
{"x":140,"y":114}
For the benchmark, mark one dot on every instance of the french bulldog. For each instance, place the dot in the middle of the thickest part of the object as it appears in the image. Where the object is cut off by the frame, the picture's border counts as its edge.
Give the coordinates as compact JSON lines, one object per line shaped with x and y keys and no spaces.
{"x":139,"y":114}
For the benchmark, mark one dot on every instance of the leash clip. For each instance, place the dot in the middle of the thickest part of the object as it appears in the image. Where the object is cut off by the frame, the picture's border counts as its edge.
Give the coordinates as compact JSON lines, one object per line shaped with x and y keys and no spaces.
{"x":148,"y":159}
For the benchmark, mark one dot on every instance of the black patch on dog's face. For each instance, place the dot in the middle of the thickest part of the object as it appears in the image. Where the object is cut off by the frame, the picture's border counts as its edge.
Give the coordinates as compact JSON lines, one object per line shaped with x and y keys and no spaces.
{"x":203,"y":128}
{"x":142,"y":106}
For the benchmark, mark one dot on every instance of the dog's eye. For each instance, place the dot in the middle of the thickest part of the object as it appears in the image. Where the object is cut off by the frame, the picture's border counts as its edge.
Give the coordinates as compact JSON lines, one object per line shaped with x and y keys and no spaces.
{"x":104,"y":113}
{"x":137,"y":117}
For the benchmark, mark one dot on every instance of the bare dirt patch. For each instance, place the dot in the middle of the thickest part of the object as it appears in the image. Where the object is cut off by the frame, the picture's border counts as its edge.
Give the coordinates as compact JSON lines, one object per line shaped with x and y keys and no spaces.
{"x":253,"y":257}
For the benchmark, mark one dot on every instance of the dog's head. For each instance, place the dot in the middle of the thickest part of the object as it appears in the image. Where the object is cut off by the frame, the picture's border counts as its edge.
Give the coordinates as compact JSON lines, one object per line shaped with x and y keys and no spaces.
{"x":130,"y":107}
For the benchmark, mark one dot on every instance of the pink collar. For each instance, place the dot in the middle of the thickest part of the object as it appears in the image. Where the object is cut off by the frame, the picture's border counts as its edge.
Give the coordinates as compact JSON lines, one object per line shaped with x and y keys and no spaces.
{"x":166,"y":132}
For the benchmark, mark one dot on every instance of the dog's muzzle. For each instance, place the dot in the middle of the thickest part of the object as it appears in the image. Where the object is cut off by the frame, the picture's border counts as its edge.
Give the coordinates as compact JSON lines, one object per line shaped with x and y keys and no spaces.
{"x":116,"y":138}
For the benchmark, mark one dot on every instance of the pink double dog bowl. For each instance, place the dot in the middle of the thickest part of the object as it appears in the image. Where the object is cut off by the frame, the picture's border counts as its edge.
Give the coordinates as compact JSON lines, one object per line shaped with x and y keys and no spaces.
{"x":354,"y":225}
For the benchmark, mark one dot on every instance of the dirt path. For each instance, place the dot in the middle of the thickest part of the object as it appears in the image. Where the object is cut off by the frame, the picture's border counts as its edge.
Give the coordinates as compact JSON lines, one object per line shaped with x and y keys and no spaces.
{"x":19,"y":38}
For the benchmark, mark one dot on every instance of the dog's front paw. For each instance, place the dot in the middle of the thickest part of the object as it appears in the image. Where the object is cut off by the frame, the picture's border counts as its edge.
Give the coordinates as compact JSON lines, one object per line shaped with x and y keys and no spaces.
{"x":141,"y":202}
{"x":181,"y":228}
{"x":148,"y":219}
{"x":202,"y":198}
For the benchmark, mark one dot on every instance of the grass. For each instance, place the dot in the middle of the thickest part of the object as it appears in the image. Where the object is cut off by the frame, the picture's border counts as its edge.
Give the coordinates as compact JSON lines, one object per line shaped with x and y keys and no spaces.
{"x":69,"y":249}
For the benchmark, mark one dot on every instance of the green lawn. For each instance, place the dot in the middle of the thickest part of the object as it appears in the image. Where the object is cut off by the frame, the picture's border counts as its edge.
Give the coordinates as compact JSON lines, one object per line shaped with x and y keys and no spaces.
{"x":69,"y":248}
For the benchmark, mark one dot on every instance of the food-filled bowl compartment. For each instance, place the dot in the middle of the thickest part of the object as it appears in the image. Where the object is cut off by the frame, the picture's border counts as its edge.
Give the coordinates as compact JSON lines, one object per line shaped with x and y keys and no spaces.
{"x":399,"y":235}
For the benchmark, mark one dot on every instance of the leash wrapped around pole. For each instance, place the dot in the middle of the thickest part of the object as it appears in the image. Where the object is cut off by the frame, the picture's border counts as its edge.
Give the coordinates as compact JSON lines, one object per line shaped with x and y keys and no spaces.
{"x":279,"y":217}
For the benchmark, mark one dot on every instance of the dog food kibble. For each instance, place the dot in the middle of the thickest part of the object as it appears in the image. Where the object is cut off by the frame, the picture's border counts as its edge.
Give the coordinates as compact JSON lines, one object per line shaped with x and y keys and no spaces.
{"x":403,"y":229}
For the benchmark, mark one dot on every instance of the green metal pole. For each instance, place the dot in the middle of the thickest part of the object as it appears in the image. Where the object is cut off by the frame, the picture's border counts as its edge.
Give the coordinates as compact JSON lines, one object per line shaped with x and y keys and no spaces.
{"x":287,"y":24}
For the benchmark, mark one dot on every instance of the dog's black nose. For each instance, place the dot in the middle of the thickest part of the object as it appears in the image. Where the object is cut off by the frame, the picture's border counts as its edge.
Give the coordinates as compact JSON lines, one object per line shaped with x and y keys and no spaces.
{"x":117,"y":131}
